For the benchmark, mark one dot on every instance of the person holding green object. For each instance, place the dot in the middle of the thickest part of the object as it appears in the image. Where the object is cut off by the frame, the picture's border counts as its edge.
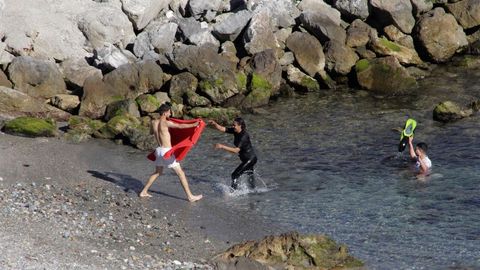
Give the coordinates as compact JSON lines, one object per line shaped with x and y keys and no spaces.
{"x":407,"y":132}
{"x":419,"y":154}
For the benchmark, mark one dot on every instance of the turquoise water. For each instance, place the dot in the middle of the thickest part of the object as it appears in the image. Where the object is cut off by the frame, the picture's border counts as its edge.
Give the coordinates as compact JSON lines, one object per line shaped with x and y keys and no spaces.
{"x":331,"y":165}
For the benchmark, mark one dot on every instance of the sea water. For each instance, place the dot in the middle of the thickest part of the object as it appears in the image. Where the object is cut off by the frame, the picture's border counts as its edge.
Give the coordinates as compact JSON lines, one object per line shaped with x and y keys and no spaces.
{"x":331,"y":165}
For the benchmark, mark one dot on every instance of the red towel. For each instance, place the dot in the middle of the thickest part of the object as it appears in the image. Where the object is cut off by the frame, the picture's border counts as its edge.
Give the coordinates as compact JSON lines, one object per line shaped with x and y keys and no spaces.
{"x":182,"y":139}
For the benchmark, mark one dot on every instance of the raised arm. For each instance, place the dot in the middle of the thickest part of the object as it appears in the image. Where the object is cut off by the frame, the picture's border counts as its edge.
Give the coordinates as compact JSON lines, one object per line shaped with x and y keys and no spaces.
{"x":410,"y":148}
{"x":217,"y":126}
{"x":234,"y":150}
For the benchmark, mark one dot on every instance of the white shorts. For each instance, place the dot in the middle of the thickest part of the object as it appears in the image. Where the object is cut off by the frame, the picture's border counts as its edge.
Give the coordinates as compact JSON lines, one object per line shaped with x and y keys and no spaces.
{"x":160,"y":161}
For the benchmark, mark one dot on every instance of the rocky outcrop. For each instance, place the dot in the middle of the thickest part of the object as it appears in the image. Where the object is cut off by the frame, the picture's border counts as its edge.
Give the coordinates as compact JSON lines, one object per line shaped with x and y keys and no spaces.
{"x":440,"y":35}
{"x":288,"y":251}
{"x":308,"y":52}
{"x":36,"y":77}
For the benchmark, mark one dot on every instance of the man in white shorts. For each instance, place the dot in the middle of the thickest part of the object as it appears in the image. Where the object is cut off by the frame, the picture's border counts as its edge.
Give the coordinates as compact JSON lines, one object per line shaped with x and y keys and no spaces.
{"x":160,"y":130}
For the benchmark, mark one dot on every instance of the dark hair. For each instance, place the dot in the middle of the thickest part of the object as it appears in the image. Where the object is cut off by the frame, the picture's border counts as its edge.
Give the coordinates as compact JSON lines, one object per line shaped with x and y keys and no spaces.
{"x":422,"y":146}
{"x":165,"y":107}
{"x":241,"y":122}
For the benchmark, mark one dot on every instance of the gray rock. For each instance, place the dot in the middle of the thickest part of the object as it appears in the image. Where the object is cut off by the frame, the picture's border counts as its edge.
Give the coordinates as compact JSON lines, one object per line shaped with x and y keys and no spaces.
{"x":449,"y":111}
{"x":14,"y":103}
{"x":5,"y":57}
{"x":121,"y":107}
{"x":158,"y":36}
{"x":110,"y":57}
{"x":204,"y":37}
{"x":188,"y":27}
{"x":127,"y":81}
{"x":404,"y":55}
{"x":230,"y":27}
{"x":359,"y":34}
{"x":301,"y":80}
{"x":200,"y":7}
{"x":440,"y":35}
{"x":398,"y":12}
{"x":466,"y":12}
{"x":35,"y":77}
{"x":42,"y":29}
{"x":141,"y":12}
{"x":259,"y":33}
{"x":106,"y":24}
{"x":4,"y":80}
{"x":323,"y":27}
{"x":339,"y":58}
{"x":75,"y":71}
{"x":65,"y":102}
{"x":182,"y":84}
{"x":287,"y":59}
{"x":179,"y":7}
{"x":394,"y":34}
{"x":383,"y":75}
{"x":421,"y":6}
{"x":321,"y":8}
{"x":308,"y":52}
{"x":352,"y":8}
{"x":282,"y":12}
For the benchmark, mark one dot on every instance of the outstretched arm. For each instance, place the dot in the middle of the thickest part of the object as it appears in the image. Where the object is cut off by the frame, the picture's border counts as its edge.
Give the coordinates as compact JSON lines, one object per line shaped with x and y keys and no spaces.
{"x":171,"y":124}
{"x":410,"y":147}
{"x":234,"y":150}
{"x":217,"y":126}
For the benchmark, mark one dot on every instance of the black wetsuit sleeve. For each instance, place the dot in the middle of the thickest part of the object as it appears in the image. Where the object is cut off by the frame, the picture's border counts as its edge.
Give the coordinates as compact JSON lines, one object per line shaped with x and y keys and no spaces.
{"x":229,"y":130}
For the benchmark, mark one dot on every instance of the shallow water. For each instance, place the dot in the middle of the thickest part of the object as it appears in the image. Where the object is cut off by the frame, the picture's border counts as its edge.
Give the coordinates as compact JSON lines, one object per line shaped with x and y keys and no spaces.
{"x":331,"y":165}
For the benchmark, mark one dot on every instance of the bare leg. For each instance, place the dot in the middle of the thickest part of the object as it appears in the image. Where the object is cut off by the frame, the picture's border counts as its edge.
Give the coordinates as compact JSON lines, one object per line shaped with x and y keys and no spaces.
{"x":183,"y":180}
{"x":153,"y":177}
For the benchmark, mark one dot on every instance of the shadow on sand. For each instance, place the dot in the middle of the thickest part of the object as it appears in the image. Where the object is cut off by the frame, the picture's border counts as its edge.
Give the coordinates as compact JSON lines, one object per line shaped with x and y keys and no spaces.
{"x":127,"y":183}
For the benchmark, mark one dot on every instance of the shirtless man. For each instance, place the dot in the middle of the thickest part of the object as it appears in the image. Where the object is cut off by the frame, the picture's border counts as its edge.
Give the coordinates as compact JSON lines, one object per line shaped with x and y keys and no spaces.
{"x":162,"y":135}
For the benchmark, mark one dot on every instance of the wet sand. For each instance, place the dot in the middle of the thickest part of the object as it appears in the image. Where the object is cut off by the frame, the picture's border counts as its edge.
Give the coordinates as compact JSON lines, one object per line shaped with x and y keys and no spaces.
{"x":65,"y":205}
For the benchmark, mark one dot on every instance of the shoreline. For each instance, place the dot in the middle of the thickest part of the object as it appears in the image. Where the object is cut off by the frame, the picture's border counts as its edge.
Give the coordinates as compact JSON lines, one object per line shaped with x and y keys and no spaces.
{"x":76,"y":205}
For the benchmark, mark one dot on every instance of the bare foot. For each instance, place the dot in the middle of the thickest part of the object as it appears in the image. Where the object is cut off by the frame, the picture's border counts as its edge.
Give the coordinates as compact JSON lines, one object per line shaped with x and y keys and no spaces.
{"x":195,"y":198}
{"x":144,"y":195}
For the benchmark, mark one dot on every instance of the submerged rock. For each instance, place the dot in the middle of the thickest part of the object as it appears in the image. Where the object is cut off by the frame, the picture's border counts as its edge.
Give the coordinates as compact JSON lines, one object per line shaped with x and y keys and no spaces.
{"x":288,"y":251}
{"x":449,"y":111}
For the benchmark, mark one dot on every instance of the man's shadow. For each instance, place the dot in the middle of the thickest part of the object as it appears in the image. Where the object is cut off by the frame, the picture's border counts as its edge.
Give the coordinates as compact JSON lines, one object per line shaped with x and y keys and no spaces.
{"x":126,"y":182}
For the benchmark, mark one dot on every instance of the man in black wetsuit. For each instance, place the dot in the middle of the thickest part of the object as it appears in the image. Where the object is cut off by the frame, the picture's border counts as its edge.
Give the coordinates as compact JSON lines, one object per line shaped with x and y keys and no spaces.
{"x":243,"y":147}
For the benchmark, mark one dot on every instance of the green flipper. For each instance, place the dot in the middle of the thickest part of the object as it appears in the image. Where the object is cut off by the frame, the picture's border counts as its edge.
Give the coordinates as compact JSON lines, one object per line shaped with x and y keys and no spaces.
{"x":407,"y":132}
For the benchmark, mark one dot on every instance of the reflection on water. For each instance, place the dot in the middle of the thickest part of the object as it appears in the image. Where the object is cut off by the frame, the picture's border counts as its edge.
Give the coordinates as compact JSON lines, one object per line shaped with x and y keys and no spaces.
{"x":332,"y":161}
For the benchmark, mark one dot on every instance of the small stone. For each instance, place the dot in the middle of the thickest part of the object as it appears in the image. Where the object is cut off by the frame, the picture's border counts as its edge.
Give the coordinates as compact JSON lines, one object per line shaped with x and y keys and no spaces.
{"x":177,"y":262}
{"x":132,"y":248}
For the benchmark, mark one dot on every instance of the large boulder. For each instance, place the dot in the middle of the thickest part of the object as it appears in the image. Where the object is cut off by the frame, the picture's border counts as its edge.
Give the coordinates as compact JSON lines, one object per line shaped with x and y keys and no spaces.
{"x":182,"y":85}
{"x":339,"y":58}
{"x":106,"y":23}
{"x":76,"y":71}
{"x":126,"y":106}
{"x":259,"y":35}
{"x":359,"y":34}
{"x":68,"y":103}
{"x":397,"y":12}
{"x":440,"y":35}
{"x":353,"y":9}
{"x":42,"y":29}
{"x":128,"y":81}
{"x":301,"y":80}
{"x":14,"y":103}
{"x":385,"y":47}
{"x":218,"y":77}
{"x":141,"y":12}
{"x":308,"y":52}
{"x":282,"y":12}
{"x":109,"y":57}
{"x":231,"y":27}
{"x":265,"y":81}
{"x":157,"y":36}
{"x":200,"y":7}
{"x":221,"y":115}
{"x":467,"y":12}
{"x":36,"y":77}
{"x":31,"y":127}
{"x":383,"y":75}
{"x":394,"y":34}
{"x":323,"y":27}
{"x":320,"y":7}
{"x":288,"y":251}
{"x":449,"y":111}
